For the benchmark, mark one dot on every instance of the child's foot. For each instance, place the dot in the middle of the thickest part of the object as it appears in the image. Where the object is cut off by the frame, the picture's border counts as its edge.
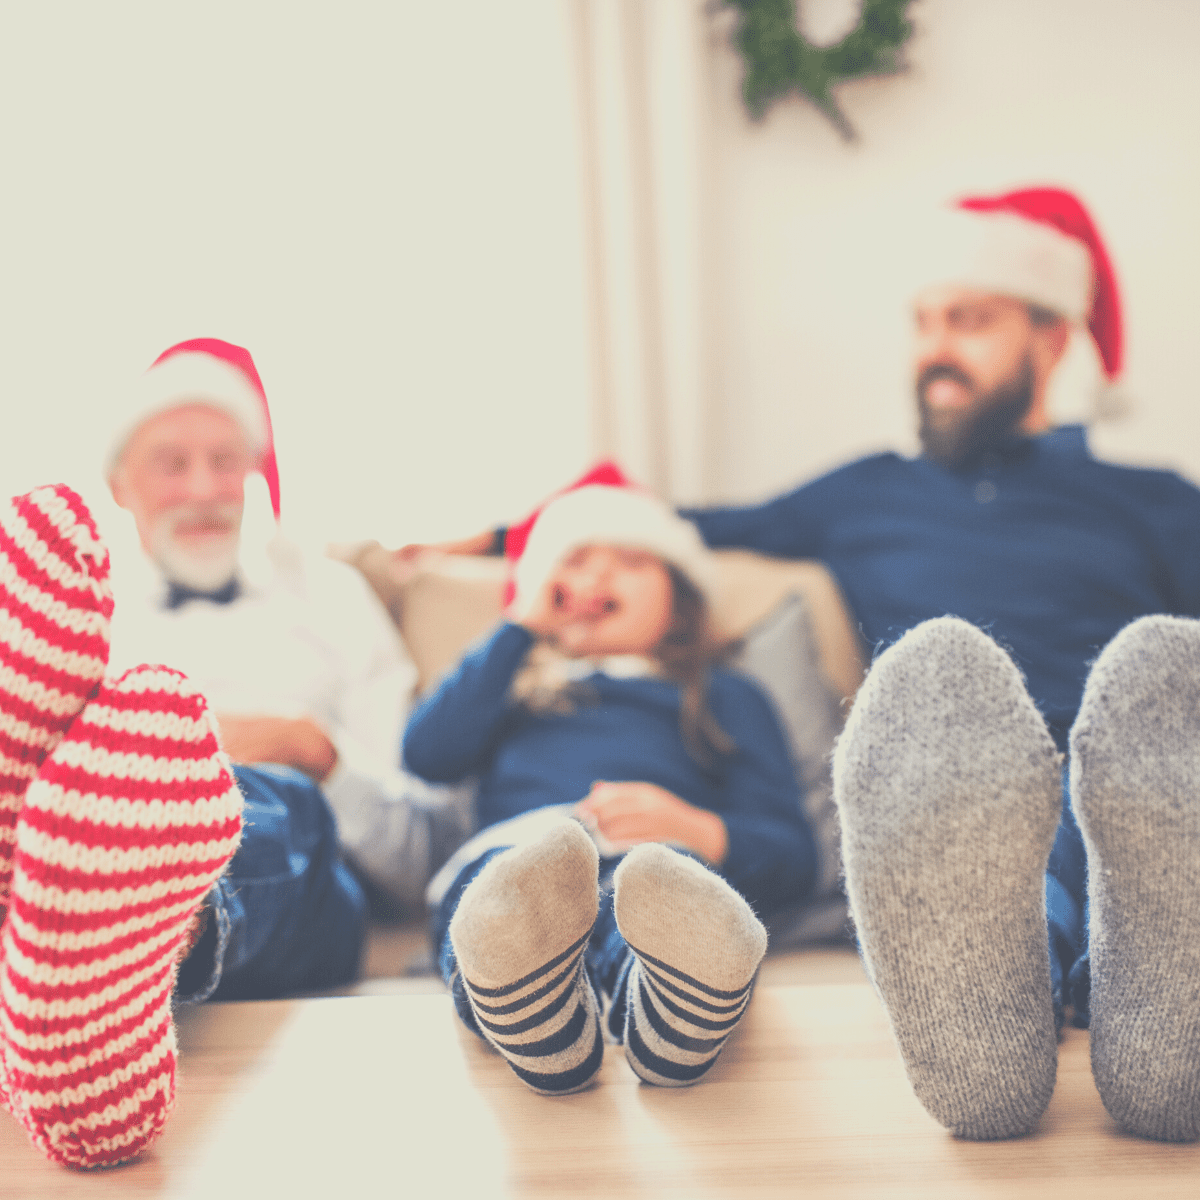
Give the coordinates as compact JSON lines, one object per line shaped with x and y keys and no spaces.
{"x":127,"y":825}
{"x":948,"y":785}
{"x":55,"y":607}
{"x":519,"y":934}
{"x":1135,"y":787}
{"x":697,"y":946}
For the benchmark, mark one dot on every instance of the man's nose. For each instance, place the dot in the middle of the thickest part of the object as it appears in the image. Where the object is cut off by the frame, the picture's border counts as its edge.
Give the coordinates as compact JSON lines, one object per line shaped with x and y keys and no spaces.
{"x":202,"y":482}
{"x":933,"y":345}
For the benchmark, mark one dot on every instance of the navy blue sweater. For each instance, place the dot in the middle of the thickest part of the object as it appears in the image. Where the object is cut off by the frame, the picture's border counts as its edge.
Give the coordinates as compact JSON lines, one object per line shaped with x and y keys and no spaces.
{"x":1047,"y":549}
{"x":627,"y":730}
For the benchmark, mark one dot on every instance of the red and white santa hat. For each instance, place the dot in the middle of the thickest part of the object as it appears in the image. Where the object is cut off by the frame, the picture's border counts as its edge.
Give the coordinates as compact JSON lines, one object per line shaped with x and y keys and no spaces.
{"x":1034,"y":244}
{"x":609,"y":514}
{"x":202,"y":371}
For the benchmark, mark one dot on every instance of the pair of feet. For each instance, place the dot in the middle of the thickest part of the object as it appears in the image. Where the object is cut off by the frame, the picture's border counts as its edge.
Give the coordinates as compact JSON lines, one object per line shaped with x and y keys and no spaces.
{"x":520,"y":934}
{"x":949,"y":790}
{"x":117,"y":813}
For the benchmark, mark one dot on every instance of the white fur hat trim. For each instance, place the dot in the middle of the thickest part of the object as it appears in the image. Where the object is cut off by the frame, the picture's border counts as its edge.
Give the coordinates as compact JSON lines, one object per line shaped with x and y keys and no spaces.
{"x":1007,"y":255}
{"x":598,"y":515}
{"x":190,"y":377}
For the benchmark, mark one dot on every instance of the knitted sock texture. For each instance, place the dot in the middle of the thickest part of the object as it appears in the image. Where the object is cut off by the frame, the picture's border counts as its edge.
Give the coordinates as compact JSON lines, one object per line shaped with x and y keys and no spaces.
{"x":55,"y":607}
{"x":519,"y":935}
{"x":697,"y":946}
{"x":1135,"y":788}
{"x":949,"y":790}
{"x":124,"y":830}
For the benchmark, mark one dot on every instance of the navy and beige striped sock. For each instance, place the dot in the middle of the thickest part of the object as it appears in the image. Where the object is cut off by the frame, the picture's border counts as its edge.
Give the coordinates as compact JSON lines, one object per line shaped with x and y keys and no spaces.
{"x":519,"y":934}
{"x":696,"y":946}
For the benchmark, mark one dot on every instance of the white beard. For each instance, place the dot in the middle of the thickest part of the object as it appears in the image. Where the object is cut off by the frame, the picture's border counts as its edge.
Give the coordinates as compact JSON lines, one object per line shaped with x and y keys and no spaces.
{"x":205,"y":571}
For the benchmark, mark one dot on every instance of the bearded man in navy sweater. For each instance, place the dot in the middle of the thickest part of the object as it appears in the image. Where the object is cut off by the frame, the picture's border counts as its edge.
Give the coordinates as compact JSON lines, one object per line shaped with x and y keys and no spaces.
{"x":947,"y":775}
{"x":962,"y":847}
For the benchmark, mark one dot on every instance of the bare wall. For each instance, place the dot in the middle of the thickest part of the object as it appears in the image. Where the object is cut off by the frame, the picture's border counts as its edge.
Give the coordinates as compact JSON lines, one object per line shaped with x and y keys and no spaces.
{"x":814,"y":272}
{"x":387,"y":205}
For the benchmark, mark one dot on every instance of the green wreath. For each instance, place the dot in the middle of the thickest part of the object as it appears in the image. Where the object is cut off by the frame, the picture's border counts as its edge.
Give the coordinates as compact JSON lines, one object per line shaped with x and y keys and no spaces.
{"x":780,"y":60}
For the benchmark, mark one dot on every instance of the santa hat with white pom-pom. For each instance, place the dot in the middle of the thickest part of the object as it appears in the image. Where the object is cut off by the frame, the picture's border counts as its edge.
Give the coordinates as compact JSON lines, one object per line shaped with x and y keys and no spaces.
{"x":610,"y":515}
{"x":1039,"y":245}
{"x":200,"y":371}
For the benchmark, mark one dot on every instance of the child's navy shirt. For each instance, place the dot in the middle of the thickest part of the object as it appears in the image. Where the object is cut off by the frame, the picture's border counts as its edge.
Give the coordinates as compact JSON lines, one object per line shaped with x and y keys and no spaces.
{"x":622,"y":730}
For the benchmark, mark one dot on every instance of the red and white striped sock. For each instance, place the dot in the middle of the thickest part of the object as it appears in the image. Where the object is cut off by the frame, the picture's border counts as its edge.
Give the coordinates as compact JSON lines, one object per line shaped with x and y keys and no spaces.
{"x":123,"y":832}
{"x":55,"y":606}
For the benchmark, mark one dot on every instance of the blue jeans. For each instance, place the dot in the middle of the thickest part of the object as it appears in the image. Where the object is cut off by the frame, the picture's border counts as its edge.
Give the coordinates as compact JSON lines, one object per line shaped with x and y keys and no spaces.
{"x":287,"y":915}
{"x":606,"y":959}
{"x":1066,"y":916}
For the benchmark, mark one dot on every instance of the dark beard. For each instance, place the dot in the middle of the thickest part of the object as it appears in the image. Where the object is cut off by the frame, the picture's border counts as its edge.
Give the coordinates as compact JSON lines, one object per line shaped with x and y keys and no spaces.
{"x":990,"y":419}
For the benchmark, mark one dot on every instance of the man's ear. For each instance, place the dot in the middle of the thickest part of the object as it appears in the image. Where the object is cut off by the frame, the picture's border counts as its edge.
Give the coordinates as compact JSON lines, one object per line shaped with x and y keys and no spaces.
{"x":1053,"y":339}
{"x":116,"y":485}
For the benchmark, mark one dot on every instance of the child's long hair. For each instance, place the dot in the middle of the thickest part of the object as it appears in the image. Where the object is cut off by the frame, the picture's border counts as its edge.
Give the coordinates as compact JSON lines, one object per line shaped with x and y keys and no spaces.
{"x":685,"y":655}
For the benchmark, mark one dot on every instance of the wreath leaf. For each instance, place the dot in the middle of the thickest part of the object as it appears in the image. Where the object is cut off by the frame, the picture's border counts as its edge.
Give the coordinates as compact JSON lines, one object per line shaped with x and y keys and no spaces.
{"x":780,"y":59}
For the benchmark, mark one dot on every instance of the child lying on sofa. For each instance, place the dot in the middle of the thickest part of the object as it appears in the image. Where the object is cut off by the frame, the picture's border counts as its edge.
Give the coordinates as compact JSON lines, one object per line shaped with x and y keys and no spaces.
{"x":597,"y":708}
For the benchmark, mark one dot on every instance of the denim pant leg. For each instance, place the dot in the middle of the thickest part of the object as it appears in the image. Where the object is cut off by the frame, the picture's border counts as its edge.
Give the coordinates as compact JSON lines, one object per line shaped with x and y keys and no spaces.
{"x":608,"y":957}
{"x":439,"y":936}
{"x":1066,"y":915}
{"x":287,"y":915}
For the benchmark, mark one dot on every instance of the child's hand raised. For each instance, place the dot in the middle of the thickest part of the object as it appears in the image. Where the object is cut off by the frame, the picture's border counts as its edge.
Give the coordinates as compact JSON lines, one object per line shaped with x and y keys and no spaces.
{"x":553,"y":616}
{"x":626,"y":814}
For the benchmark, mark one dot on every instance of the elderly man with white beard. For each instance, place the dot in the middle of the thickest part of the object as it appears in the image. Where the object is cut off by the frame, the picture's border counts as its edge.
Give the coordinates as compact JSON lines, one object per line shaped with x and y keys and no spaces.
{"x":297,"y":657}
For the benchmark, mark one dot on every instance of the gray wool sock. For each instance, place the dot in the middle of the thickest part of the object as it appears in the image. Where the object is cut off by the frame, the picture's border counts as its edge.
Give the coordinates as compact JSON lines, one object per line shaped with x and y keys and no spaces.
{"x":697,"y":945}
{"x":948,"y":785}
{"x":519,"y":934}
{"x":1135,"y":788}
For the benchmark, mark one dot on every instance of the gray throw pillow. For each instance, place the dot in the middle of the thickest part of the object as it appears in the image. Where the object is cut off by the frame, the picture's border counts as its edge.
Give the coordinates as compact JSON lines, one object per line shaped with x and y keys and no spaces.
{"x":780,"y":655}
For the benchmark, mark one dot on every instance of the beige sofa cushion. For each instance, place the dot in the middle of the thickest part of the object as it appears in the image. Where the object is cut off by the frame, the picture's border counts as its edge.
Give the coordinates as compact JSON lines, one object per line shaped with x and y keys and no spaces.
{"x":752,"y":587}
{"x":448,"y":602}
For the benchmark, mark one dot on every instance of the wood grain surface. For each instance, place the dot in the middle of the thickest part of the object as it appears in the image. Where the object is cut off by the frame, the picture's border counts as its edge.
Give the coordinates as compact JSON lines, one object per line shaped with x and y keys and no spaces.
{"x":387,"y":1095}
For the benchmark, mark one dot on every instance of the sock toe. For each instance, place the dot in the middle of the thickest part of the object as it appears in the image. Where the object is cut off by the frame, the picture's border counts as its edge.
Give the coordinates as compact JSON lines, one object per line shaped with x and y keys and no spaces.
{"x":55,"y":607}
{"x":674,"y":909}
{"x":528,"y":904}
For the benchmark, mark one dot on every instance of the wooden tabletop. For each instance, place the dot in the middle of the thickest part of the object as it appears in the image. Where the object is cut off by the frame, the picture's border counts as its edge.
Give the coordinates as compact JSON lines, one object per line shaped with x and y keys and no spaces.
{"x":386,"y":1095}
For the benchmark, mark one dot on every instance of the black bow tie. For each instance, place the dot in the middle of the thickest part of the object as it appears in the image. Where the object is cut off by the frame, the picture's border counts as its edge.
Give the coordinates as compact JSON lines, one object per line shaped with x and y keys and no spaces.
{"x":178,"y":594}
